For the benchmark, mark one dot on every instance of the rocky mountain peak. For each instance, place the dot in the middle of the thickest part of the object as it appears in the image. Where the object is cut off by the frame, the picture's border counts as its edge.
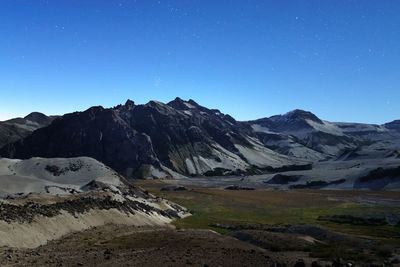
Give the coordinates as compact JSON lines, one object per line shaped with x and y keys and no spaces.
{"x":129,"y":104}
{"x":192,"y":102}
{"x":179,"y":104}
{"x":291,"y":121}
{"x":37,"y":117}
{"x":395,"y":122}
{"x":92,"y":111}
{"x":394,"y":125}
{"x":17,"y":128}
{"x":299,"y":114}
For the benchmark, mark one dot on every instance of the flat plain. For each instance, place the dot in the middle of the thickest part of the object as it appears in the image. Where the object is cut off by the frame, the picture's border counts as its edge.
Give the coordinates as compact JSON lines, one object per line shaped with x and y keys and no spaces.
{"x":357,"y":225}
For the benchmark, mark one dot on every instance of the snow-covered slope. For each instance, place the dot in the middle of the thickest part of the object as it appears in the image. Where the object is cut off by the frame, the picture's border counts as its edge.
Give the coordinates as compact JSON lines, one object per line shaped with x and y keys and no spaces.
{"x":355,"y":174}
{"x":55,"y":175}
{"x":301,"y":133}
{"x":42,"y":199}
{"x":286,"y":144}
{"x":258,"y":155}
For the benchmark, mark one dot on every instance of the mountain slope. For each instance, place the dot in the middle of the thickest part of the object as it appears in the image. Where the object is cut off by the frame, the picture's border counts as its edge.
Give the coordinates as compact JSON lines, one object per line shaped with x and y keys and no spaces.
{"x":18,"y":128}
{"x":154,"y":139}
{"x":184,"y":138}
{"x":394,"y":125}
{"x":43,"y":199}
{"x":99,"y":133}
{"x":54,"y":175}
{"x":329,"y":140}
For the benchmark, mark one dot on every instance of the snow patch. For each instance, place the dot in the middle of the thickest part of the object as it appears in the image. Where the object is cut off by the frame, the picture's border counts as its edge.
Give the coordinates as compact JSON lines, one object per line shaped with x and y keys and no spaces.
{"x":53,"y":175}
{"x":260,"y":129}
{"x":188,"y":105}
{"x":188,"y":112}
{"x":326,"y":127}
{"x":154,"y":172}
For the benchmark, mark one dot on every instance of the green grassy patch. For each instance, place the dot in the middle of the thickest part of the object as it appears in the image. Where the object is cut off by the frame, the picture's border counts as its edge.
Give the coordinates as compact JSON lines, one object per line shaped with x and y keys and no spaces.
{"x":211,"y":207}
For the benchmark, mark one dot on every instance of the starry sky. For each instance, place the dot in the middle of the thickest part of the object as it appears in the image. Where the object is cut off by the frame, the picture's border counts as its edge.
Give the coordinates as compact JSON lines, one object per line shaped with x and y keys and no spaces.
{"x":251,"y":59}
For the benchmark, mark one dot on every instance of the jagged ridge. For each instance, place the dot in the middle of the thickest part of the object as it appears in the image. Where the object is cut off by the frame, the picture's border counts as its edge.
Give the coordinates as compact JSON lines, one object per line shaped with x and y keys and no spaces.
{"x":160,"y":140}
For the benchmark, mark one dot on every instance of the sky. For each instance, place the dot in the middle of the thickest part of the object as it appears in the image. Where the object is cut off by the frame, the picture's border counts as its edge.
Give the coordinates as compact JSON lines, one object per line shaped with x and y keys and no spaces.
{"x":251,"y":59}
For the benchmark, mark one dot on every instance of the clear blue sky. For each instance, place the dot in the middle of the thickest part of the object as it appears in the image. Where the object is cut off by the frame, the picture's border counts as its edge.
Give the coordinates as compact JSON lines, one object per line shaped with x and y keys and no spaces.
{"x":251,"y":59}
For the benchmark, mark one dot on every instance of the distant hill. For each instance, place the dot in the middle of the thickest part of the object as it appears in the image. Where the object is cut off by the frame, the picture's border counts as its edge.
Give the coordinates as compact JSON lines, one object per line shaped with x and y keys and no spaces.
{"x":18,"y":128}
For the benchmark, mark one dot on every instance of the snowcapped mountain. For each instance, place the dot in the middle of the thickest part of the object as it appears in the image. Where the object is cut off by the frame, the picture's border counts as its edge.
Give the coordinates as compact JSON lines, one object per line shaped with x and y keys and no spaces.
{"x":184,"y":138}
{"x":18,"y":128}
{"x":327,"y":140}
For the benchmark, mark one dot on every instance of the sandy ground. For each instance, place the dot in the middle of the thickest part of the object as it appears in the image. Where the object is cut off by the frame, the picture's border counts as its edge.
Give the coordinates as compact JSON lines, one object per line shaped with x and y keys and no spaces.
{"x":30,"y":235}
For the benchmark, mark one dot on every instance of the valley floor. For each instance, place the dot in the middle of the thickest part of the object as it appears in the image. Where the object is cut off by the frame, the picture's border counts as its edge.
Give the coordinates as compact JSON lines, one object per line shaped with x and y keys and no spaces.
{"x":359,"y":226}
{"x":238,"y":228}
{"x":112,"y":245}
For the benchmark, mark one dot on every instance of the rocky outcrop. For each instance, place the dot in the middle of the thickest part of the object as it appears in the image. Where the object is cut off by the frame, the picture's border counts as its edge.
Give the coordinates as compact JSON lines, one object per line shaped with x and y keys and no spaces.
{"x":97,"y":132}
{"x":26,"y":213}
{"x":283,"y":179}
{"x":138,"y":140}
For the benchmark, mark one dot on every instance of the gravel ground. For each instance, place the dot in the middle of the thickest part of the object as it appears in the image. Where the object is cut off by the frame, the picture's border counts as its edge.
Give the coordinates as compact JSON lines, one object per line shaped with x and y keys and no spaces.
{"x":142,"y":246}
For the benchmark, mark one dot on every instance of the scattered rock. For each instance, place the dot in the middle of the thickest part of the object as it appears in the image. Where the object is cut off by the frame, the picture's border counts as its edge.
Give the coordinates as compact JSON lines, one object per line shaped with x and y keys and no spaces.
{"x":317,"y":184}
{"x":173,"y":188}
{"x":339,"y":262}
{"x":237,"y":187}
{"x":107,"y":254}
{"x":353,"y":220}
{"x":283,"y":179}
{"x":395,"y":261}
{"x":315,"y":264}
{"x":26,"y":213}
{"x":300,"y":263}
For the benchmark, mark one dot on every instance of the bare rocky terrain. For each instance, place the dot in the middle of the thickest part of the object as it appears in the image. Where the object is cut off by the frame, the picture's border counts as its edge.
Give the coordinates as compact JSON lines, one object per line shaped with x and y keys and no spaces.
{"x":113,"y":245}
{"x":182,"y":139}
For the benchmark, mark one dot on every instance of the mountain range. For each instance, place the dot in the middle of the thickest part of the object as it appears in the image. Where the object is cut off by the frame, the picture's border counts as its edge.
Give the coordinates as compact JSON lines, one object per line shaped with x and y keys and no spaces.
{"x":183,"y":138}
